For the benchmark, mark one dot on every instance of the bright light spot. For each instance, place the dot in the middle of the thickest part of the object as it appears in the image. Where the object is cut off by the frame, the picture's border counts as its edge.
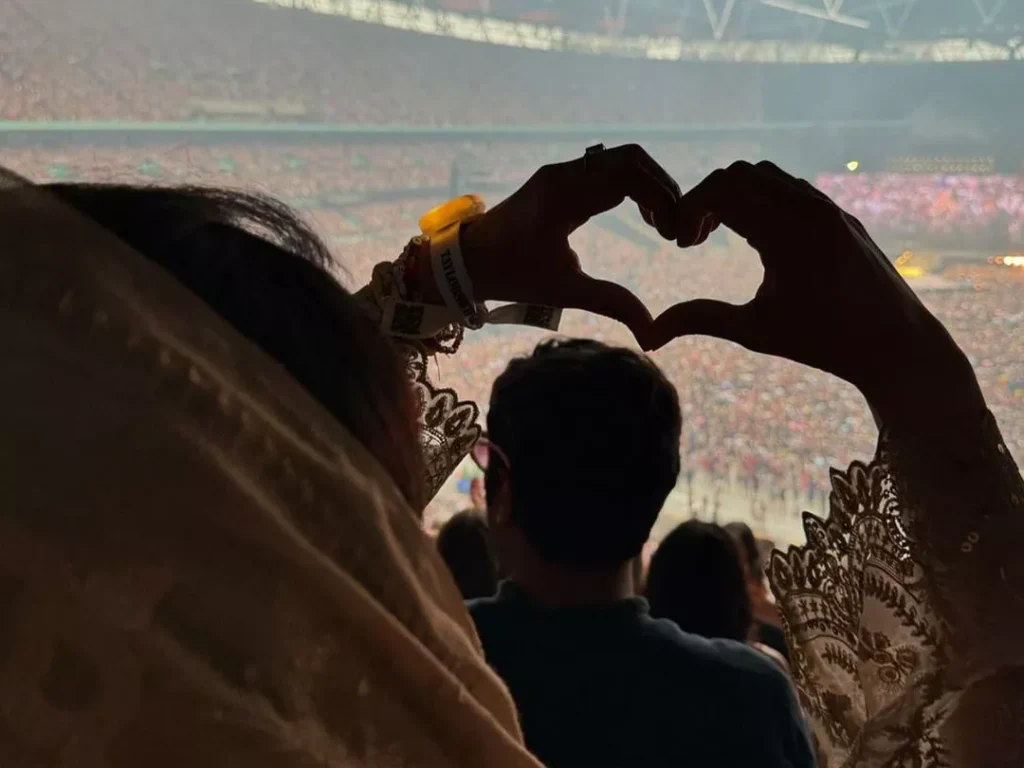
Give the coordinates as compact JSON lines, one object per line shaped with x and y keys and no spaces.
{"x":852,"y":166}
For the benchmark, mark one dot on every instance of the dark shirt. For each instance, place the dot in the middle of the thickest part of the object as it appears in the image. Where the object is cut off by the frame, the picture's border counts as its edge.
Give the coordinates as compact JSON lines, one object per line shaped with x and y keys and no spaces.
{"x":611,"y":686}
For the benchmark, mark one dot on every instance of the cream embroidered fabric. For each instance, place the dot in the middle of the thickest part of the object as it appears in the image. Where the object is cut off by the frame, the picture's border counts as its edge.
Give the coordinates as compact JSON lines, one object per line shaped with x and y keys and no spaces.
{"x":448,"y":426}
{"x":198,"y":566}
{"x":905,"y":610}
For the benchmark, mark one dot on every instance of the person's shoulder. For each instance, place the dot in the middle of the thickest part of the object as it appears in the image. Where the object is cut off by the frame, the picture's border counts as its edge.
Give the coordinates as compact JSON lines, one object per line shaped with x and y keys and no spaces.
{"x":734,"y":683}
{"x":498,"y":625}
{"x":722,"y":660}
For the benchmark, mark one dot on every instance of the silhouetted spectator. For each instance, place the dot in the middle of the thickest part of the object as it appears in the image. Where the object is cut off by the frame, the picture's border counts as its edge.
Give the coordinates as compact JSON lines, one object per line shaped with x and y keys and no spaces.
{"x":696,"y":580}
{"x":576,"y":475}
{"x":463,"y":545}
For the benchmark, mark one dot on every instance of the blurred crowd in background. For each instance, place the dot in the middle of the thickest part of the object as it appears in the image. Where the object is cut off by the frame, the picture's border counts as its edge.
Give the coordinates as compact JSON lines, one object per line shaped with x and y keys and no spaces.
{"x":153,"y":60}
{"x":758,"y":431}
{"x":305,"y":171}
{"x":953,"y":209}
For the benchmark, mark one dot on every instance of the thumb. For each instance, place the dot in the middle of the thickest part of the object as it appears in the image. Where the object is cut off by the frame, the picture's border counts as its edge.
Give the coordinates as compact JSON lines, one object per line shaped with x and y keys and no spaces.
{"x":609,"y":299}
{"x":705,"y":317}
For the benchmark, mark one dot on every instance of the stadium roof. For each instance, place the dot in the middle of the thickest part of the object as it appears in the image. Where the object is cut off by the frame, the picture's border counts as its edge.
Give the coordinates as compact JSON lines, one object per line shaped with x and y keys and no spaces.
{"x":859,"y":23}
{"x":830,"y":31}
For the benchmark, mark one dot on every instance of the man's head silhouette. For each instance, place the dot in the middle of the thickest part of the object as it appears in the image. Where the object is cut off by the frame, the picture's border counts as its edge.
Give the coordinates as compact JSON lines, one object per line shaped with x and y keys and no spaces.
{"x":585,"y":450}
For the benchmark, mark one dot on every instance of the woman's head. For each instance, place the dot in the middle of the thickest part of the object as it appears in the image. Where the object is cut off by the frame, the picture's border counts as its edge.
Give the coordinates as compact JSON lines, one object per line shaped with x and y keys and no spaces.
{"x":749,"y":551}
{"x":696,"y":579}
{"x":264,"y":272}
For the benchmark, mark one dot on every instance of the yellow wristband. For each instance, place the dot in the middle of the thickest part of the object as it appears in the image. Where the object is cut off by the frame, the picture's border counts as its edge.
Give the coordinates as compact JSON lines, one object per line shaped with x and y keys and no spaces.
{"x":455,"y":211}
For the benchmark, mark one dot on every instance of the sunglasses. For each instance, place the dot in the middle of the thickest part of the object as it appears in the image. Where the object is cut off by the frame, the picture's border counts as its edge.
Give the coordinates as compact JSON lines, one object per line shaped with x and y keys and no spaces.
{"x":482,"y":451}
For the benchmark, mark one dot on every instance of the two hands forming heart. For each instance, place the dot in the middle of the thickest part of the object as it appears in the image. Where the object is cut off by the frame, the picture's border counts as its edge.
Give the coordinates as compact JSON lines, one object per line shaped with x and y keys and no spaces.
{"x":829,"y":299}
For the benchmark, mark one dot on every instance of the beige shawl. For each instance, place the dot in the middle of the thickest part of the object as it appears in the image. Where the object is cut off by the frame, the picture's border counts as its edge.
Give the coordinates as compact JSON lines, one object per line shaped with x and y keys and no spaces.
{"x":198,"y":565}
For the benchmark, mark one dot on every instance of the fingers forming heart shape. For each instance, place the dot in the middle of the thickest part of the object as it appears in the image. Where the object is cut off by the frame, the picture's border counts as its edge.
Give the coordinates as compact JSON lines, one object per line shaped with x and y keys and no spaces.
{"x":520,"y":251}
{"x":829,"y":299}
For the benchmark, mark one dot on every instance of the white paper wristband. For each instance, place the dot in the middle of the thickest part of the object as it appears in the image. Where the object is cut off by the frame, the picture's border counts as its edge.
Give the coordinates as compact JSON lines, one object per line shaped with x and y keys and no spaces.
{"x":452,"y":278}
{"x":416,"y":320}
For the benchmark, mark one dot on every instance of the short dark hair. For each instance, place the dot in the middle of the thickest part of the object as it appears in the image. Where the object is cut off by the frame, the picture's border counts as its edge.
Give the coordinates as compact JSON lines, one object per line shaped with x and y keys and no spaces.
{"x":592,"y":435}
{"x":463,"y":544}
{"x":254,"y":262}
{"x":696,"y":579}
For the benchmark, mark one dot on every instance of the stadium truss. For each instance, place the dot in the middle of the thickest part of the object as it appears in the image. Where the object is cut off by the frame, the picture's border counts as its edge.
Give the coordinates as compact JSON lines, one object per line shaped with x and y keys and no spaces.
{"x":862,"y":23}
{"x":838,"y":31}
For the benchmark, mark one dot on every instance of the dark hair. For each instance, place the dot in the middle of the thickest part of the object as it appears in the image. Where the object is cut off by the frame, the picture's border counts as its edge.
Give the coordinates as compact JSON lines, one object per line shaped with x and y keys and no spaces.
{"x":268,"y":275}
{"x":463,"y":545}
{"x":696,"y":580}
{"x":592,"y":436}
{"x":751,"y":553}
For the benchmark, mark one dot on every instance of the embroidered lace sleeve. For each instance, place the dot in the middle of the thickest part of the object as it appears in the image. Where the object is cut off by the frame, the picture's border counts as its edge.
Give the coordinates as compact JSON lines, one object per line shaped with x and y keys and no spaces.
{"x":905,"y":609}
{"x":448,"y":426}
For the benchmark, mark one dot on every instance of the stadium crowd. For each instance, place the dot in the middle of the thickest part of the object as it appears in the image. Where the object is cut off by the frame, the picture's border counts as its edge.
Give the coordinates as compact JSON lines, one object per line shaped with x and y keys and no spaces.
{"x":764,"y":424}
{"x":306,"y":171}
{"x":758,"y":431}
{"x":759,"y":425}
{"x":762,"y":427}
{"x":152,"y":60}
{"x":953,"y":209}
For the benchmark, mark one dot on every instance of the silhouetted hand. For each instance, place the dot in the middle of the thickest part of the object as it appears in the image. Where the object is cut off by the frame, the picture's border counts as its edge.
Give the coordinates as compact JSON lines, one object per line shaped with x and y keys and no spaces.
{"x":829,"y":299}
{"x":519,"y":251}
